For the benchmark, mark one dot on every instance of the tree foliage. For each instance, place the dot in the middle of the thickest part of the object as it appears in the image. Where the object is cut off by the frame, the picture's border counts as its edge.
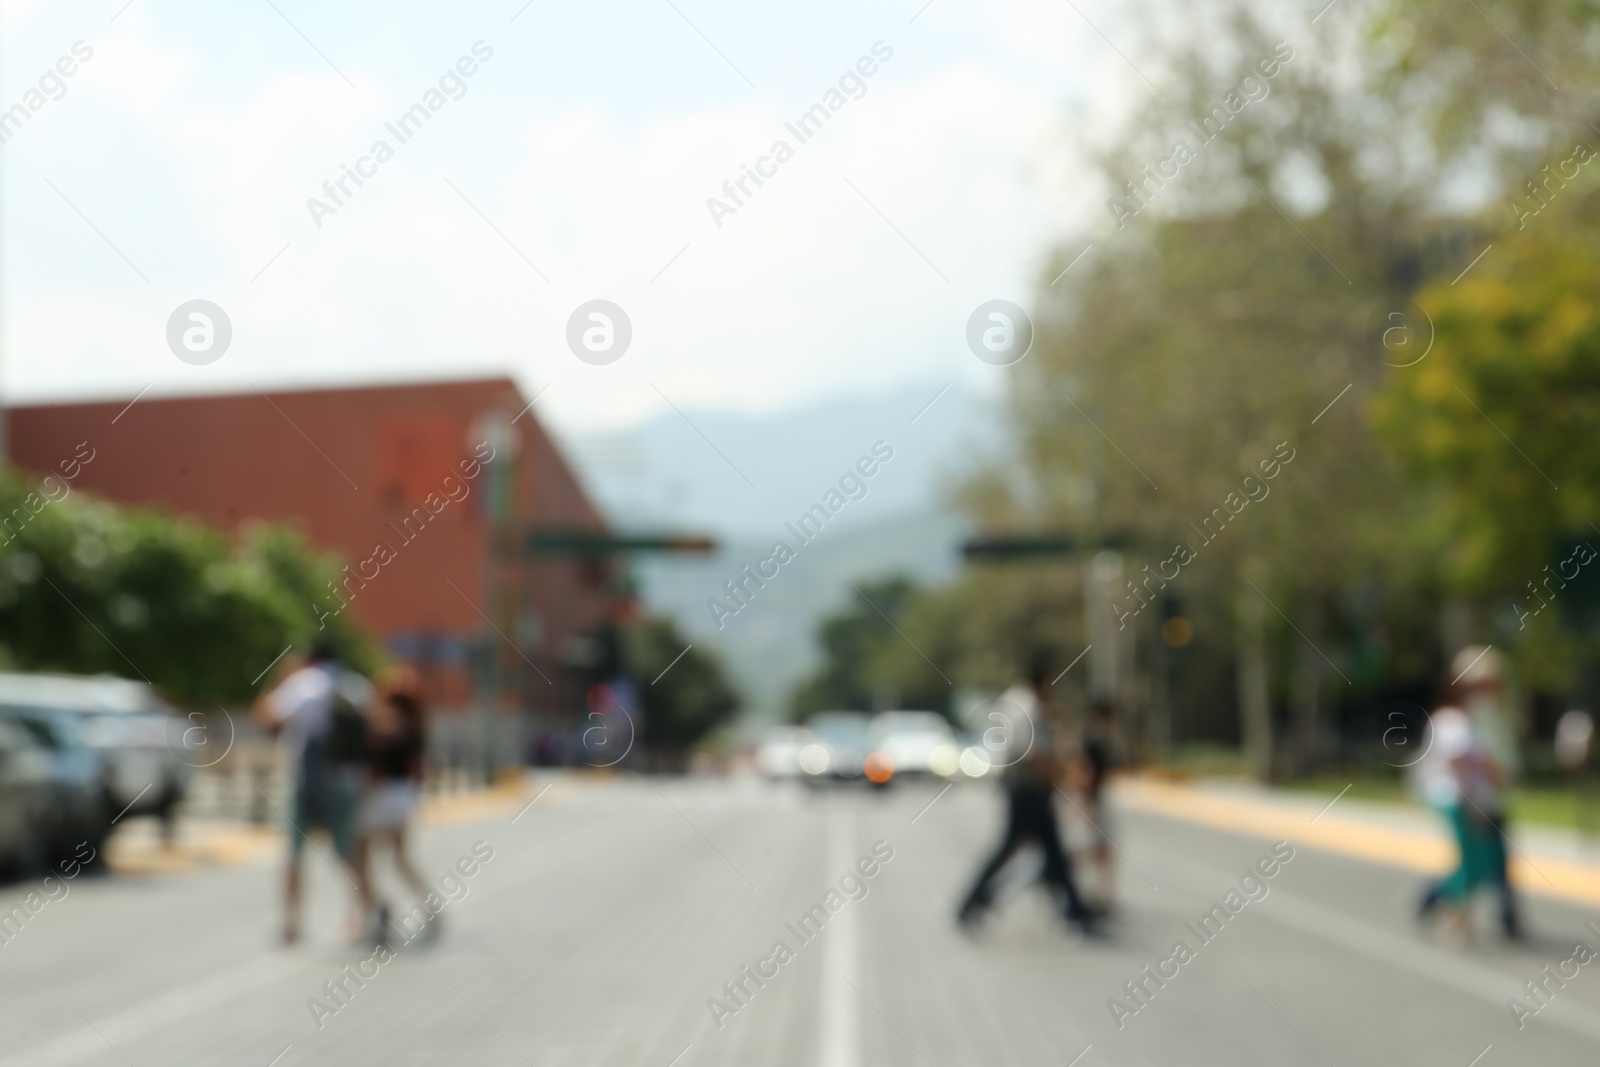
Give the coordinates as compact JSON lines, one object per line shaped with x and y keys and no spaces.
{"x":1496,"y":418}
{"x":1276,"y":292}
{"x":682,"y":701}
{"x":861,"y":669}
{"x":87,"y":587}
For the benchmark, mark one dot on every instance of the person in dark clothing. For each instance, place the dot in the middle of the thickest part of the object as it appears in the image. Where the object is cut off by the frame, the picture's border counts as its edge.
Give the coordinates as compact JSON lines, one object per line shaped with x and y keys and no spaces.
{"x":1098,"y":759}
{"x":396,"y":745}
{"x":1032,"y":768}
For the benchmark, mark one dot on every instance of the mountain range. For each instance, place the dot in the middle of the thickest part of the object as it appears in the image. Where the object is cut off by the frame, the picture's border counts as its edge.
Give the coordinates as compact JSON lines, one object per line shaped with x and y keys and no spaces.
{"x":740,"y":478}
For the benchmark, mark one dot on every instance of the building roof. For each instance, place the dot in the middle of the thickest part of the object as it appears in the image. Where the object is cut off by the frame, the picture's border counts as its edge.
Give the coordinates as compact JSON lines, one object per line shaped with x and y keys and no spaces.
{"x":354,"y":469}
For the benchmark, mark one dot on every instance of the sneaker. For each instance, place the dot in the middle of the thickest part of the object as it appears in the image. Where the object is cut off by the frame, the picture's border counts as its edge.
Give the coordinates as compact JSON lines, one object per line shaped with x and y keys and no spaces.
{"x":1428,"y":904}
{"x":380,"y":930}
{"x":1089,"y":926}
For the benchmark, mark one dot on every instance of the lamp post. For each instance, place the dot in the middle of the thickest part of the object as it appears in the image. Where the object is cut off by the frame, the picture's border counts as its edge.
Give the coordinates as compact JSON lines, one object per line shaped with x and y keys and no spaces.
{"x":500,"y":588}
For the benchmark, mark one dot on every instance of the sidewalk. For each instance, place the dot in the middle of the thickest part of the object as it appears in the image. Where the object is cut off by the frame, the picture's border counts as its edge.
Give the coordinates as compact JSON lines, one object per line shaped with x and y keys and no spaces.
{"x":136,"y":848}
{"x":1546,"y":861}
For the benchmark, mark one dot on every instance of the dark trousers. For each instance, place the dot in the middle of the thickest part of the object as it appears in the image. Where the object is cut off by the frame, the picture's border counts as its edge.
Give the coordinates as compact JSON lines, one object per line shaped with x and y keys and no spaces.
{"x":1031,"y":818}
{"x":1502,"y":879}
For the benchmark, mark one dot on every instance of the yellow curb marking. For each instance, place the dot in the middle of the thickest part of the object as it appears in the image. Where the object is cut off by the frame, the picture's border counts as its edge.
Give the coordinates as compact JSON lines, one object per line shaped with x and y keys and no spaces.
{"x":223,"y":845}
{"x":1426,"y":853}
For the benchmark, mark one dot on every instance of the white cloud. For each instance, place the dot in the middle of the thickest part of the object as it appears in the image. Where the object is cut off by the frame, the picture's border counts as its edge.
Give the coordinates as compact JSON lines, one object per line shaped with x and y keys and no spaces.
{"x":806,"y":291}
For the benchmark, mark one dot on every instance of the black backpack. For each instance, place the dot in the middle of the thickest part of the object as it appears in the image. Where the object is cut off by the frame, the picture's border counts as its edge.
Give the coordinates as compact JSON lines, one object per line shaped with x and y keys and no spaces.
{"x":347,"y":728}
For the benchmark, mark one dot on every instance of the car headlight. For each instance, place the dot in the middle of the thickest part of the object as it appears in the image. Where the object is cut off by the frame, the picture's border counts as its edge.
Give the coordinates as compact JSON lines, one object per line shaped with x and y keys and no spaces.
{"x":814,"y":759}
{"x":944,"y":760}
{"x":974,"y":763}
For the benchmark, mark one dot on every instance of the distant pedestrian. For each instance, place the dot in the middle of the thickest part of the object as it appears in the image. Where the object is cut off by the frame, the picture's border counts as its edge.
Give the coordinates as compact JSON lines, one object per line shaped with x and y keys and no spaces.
{"x":1098,"y":757}
{"x":1480,"y":678}
{"x":1032,"y":769}
{"x":1462,"y":776}
{"x":319,"y":713}
{"x":397,"y":745}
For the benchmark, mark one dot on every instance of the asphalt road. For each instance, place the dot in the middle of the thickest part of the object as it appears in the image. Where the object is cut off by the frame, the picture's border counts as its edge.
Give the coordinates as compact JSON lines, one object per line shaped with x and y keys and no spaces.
{"x":610,"y":914}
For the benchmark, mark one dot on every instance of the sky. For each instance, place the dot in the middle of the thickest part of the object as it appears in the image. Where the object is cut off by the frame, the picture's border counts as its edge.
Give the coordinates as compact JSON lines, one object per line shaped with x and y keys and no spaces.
{"x":573,"y":164}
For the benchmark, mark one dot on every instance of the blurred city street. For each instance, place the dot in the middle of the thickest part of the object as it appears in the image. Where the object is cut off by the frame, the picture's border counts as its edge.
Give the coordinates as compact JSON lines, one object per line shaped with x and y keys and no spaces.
{"x":834,"y":535}
{"x":614,"y":909}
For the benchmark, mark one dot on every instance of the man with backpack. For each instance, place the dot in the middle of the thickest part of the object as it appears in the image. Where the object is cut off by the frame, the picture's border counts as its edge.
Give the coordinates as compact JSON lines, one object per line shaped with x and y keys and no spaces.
{"x":318,"y":712}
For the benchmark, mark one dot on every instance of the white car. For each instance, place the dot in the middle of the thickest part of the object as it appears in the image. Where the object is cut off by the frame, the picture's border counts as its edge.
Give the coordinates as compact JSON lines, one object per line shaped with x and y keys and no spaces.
{"x":917,"y":743}
{"x":841,"y":743}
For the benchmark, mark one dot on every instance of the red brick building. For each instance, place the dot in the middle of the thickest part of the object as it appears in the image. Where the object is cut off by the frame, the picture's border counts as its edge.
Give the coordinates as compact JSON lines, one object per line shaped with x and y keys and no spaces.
{"x":425,"y":490}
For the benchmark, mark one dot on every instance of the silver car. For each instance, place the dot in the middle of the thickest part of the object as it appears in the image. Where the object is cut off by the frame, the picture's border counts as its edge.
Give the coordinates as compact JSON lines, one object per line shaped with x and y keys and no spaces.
{"x":132,"y":732}
{"x":26,"y":799}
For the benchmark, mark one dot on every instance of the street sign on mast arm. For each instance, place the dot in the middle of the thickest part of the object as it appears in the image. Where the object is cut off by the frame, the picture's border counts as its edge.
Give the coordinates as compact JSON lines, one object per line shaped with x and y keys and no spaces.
{"x":1019,"y":547}
{"x":601,"y":543}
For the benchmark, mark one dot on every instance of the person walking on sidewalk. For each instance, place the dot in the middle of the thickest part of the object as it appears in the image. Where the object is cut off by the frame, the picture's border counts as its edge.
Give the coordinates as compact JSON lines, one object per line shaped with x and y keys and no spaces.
{"x":1027,"y":750}
{"x":319,"y":713}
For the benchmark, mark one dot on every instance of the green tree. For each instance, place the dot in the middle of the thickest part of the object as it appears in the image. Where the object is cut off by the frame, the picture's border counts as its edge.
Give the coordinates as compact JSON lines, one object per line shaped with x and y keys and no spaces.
{"x":1489,"y":87}
{"x":988,"y":630}
{"x":862,"y":669}
{"x":1231,"y":322}
{"x":1494,"y":418}
{"x":87,"y":587}
{"x":1491,"y":427}
{"x":682,"y":701}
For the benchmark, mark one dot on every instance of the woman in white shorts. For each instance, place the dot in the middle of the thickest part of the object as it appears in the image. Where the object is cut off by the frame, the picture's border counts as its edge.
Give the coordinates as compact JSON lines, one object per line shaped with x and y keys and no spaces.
{"x":395,"y":747}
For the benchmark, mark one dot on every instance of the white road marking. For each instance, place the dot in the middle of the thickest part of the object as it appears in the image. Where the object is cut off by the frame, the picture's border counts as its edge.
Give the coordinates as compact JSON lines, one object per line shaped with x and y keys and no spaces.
{"x":838,"y":1032}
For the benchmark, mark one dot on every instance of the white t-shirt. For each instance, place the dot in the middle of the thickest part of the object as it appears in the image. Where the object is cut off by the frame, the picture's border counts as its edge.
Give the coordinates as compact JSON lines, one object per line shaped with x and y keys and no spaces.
{"x":302,"y":706}
{"x":1013,"y":726}
{"x":1451,"y":738}
{"x":1490,"y":726}
{"x":1458,"y":764}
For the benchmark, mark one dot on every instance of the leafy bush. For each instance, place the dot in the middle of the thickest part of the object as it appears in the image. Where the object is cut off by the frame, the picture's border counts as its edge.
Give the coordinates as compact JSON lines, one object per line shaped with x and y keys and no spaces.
{"x":88,"y":587}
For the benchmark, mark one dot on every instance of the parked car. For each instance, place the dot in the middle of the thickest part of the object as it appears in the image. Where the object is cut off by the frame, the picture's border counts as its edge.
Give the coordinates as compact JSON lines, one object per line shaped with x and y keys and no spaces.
{"x":131,"y":736}
{"x":26,"y":794}
{"x":78,"y":804}
{"x":916,"y":744}
{"x":840,"y":743}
